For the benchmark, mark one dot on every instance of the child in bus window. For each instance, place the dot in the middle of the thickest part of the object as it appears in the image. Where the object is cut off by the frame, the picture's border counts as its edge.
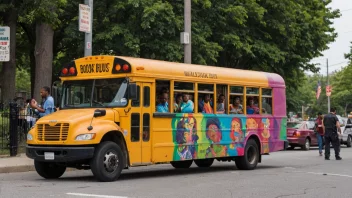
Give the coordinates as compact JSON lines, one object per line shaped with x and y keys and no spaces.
{"x":205,"y":106}
{"x":236,"y":107}
{"x":177,"y":104}
{"x":252,"y":108}
{"x":187,"y":106}
{"x":220,"y":107}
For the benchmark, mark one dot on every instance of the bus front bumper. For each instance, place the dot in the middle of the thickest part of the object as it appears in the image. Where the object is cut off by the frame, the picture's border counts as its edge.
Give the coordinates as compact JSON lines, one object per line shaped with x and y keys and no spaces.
{"x":59,"y":154}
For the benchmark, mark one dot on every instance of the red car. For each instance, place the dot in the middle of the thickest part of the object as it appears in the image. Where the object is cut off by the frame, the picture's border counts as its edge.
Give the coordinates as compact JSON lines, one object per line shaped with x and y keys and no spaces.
{"x":301,"y":134}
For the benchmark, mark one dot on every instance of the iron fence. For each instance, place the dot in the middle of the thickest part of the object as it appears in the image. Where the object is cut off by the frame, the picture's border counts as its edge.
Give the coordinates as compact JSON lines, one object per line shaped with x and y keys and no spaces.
{"x":15,"y":122}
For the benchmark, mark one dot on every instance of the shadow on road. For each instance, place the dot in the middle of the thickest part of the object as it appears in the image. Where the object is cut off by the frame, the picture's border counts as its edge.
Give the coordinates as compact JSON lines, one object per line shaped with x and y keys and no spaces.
{"x":169,"y":172}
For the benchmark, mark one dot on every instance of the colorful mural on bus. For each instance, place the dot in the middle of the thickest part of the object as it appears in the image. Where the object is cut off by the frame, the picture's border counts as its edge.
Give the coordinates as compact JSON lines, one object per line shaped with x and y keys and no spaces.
{"x":199,"y":136}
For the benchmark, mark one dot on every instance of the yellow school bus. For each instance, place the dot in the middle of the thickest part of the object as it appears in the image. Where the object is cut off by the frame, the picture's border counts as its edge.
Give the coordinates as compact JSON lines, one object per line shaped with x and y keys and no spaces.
{"x":119,"y":112}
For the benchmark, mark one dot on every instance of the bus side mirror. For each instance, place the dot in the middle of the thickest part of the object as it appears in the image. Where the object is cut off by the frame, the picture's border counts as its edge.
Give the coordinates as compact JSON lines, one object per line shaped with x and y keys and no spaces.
{"x":132,"y":92}
{"x":99,"y":113}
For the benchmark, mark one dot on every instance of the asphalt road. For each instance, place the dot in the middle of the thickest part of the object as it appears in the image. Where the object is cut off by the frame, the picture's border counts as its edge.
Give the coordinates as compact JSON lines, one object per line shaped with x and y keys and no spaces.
{"x":283,"y":174}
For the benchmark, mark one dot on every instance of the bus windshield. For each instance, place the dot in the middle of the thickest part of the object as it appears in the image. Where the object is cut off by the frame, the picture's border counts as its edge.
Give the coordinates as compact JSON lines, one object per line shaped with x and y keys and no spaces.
{"x":94,"y":93}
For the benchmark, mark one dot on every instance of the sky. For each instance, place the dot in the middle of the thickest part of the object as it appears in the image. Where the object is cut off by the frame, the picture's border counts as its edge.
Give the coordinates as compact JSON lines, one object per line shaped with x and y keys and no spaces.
{"x":342,"y":44}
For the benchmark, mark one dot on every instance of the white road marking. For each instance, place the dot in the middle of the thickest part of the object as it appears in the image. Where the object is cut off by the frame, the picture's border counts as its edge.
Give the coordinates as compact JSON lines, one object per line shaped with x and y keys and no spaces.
{"x":325,"y":174}
{"x":92,"y":195}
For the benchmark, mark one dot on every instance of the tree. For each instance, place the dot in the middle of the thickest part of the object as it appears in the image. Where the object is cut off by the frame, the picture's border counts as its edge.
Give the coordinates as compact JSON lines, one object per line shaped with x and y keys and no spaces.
{"x":8,"y":13}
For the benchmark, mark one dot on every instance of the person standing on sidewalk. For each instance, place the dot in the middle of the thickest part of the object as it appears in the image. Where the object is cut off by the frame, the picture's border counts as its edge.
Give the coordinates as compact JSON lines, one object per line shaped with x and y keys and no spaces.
{"x":47,"y":106}
{"x":332,"y":130}
{"x":320,"y":132}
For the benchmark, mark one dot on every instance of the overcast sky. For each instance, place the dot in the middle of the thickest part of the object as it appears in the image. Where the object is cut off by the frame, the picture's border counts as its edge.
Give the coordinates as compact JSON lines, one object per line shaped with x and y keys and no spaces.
{"x":342,"y":44}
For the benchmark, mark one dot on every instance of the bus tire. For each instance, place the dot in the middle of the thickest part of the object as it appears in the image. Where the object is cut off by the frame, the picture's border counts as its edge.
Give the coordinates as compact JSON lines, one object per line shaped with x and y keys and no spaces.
{"x":49,"y":170}
{"x":182,"y":164}
{"x":204,"y":163}
{"x":251,"y":156}
{"x":108,"y":162}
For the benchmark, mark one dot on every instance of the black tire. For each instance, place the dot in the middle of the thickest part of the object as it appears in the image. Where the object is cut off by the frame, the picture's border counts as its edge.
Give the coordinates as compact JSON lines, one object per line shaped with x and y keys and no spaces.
{"x":49,"y":170}
{"x":349,"y":142}
{"x":251,"y":156}
{"x":204,"y":163}
{"x":182,"y":164}
{"x":306,"y":145}
{"x":108,"y":162}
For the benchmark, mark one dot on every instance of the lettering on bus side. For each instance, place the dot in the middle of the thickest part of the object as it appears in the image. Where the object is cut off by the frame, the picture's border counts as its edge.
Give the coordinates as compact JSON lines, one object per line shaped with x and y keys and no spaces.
{"x":95,"y":68}
{"x":201,"y":75}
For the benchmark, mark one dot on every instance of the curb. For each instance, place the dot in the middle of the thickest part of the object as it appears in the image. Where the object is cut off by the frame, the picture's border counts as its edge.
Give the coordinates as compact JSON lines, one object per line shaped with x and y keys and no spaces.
{"x":23,"y":168}
{"x":17,"y":169}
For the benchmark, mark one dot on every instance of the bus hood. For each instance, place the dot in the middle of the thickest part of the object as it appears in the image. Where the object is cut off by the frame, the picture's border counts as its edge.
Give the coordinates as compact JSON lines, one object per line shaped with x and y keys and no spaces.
{"x":76,"y":115}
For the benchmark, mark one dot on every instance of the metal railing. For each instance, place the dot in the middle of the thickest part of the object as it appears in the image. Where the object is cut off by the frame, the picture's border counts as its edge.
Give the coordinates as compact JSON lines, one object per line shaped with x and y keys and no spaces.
{"x":15,"y":122}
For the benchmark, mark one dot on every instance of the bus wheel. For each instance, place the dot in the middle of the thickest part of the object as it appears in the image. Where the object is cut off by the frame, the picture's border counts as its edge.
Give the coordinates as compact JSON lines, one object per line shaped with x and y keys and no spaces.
{"x":204,"y":163}
{"x":108,"y":162}
{"x":251,"y":156}
{"x":49,"y":170}
{"x":182,"y":164}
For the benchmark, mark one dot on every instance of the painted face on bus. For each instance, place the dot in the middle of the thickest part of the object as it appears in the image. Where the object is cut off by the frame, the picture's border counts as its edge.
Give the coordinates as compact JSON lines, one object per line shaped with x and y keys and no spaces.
{"x":189,"y":126}
{"x":214,"y":133}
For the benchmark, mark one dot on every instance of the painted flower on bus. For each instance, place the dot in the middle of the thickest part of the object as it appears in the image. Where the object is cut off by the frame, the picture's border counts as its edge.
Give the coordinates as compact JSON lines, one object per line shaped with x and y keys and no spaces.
{"x":265,"y":135}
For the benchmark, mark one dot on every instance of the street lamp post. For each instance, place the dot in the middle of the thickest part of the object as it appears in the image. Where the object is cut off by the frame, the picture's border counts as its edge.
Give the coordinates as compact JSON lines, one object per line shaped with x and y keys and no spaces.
{"x":186,"y":35}
{"x":89,"y":35}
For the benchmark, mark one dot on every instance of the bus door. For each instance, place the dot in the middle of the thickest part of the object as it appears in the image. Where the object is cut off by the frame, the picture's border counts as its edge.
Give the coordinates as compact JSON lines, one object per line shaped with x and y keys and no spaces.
{"x":141,"y":110}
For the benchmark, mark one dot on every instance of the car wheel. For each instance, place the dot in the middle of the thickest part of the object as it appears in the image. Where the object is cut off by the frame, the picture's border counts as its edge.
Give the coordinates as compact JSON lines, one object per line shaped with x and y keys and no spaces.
{"x":349,"y":142}
{"x":306,"y":145}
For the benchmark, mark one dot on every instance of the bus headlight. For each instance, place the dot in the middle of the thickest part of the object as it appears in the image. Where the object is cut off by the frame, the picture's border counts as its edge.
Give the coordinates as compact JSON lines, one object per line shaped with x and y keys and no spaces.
{"x":88,"y":136}
{"x":29,"y":136}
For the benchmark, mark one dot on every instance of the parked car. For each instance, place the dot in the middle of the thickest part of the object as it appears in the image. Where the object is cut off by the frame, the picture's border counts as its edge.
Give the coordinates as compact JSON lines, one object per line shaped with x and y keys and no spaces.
{"x":301,"y":134}
{"x":346,"y":130}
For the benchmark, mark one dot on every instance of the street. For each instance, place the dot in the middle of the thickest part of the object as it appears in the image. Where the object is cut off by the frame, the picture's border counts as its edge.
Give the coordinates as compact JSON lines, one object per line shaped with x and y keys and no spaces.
{"x":283,"y":174}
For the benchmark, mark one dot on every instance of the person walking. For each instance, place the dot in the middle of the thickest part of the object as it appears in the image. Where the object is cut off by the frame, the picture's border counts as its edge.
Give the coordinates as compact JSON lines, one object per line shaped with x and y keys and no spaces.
{"x":332,"y":130}
{"x":319,"y":132}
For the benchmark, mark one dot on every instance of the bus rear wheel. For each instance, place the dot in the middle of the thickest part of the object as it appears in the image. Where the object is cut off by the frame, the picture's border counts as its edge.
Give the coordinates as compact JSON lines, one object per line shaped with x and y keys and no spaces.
{"x":251,"y":156}
{"x":204,"y":163}
{"x":108,"y":162}
{"x":182,"y":164}
{"x":49,"y":170}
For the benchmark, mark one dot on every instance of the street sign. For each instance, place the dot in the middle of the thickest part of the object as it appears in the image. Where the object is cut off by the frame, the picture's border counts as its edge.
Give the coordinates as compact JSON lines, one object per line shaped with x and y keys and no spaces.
{"x":84,"y":18}
{"x":4,"y":44}
{"x":89,"y":45}
{"x":328,"y":90}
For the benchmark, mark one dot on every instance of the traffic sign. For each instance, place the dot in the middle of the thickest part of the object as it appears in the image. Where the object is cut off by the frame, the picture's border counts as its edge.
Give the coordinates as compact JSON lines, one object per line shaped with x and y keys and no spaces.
{"x":4,"y":44}
{"x":84,"y":18}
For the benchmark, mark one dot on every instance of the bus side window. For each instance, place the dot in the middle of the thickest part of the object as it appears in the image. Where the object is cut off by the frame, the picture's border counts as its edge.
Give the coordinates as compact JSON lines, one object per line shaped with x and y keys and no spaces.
{"x":222,"y":103}
{"x":206,"y":98}
{"x":236,"y":100}
{"x":187,"y":91}
{"x":136,"y":103}
{"x":267,"y":101}
{"x":162,"y":96}
{"x":252,"y":100}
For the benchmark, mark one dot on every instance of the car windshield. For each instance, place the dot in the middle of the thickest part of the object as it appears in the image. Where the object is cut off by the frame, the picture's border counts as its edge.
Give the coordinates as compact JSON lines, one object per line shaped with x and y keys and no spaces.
{"x":106,"y":93}
{"x":294,"y":125}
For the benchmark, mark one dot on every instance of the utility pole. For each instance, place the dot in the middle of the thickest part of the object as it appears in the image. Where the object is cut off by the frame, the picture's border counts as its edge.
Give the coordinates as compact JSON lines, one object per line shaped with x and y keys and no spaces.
{"x":327,"y":75}
{"x":188,"y":33}
{"x":89,"y":35}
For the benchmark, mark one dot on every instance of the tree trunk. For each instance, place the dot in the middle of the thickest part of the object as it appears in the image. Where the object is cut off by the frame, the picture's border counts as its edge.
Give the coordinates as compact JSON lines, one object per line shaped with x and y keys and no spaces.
{"x":8,"y":72}
{"x":43,"y":58}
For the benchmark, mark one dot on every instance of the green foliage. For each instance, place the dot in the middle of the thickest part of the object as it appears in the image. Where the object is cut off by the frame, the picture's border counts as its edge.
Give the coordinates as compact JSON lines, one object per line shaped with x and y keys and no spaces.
{"x":23,"y":80}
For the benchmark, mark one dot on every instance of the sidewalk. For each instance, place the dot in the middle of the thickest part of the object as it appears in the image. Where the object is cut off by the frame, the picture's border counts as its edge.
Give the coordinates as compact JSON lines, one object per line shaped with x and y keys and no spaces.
{"x":20,"y":163}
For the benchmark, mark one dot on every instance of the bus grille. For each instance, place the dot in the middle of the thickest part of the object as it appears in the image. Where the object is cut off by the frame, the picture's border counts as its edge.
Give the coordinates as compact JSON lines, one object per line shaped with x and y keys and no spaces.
{"x":58,"y":132}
